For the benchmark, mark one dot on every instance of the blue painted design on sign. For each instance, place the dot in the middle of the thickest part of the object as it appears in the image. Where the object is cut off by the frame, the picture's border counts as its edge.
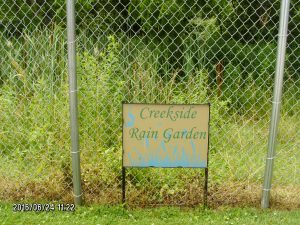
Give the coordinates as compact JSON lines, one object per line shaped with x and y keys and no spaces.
{"x":160,"y":157}
{"x":131,"y":121}
{"x":147,"y":142}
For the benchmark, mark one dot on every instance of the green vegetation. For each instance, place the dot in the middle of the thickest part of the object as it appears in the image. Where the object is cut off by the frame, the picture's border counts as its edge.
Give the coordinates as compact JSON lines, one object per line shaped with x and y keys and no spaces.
{"x":117,"y":215}
{"x":238,"y":25}
{"x":35,"y":122}
{"x":133,"y":53}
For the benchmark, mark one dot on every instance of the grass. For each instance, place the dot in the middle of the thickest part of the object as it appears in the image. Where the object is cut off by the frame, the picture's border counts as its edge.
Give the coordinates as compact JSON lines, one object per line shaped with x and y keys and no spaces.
{"x":34,"y":124}
{"x":164,"y":215}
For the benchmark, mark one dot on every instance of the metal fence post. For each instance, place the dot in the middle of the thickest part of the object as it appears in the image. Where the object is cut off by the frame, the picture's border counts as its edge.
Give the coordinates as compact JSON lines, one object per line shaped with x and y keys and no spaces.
{"x":73,"y":102}
{"x":281,"y":50}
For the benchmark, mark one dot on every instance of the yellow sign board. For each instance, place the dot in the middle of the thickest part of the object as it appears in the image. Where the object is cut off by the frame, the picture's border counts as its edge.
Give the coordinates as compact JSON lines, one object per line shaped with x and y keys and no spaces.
{"x":165,"y":135}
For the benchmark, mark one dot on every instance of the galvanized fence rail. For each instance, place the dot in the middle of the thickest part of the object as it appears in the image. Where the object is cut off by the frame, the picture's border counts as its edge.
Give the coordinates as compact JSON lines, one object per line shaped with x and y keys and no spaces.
{"x":222,"y":52}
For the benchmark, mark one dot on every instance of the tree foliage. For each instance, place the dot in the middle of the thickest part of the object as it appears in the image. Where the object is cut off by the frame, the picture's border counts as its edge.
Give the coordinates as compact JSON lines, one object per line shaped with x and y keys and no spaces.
{"x":167,"y":23}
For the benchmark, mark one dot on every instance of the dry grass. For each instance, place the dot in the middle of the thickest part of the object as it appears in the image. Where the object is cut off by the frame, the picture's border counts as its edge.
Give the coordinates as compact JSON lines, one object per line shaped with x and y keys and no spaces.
{"x":229,"y":194}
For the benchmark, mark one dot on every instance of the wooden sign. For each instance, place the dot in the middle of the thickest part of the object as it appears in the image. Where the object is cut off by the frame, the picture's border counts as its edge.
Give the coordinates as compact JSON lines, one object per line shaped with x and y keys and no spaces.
{"x":165,"y":135}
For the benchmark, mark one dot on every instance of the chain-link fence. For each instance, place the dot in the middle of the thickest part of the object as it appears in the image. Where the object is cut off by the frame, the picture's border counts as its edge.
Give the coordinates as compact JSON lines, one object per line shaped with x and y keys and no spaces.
{"x":222,"y":52}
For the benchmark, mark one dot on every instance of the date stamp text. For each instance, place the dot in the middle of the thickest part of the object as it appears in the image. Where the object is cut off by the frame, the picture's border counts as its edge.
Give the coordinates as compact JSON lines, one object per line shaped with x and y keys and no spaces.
{"x":43,"y":207}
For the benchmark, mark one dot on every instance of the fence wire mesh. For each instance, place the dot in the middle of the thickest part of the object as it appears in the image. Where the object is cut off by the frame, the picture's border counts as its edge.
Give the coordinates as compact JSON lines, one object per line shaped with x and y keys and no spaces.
{"x":222,"y":52}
